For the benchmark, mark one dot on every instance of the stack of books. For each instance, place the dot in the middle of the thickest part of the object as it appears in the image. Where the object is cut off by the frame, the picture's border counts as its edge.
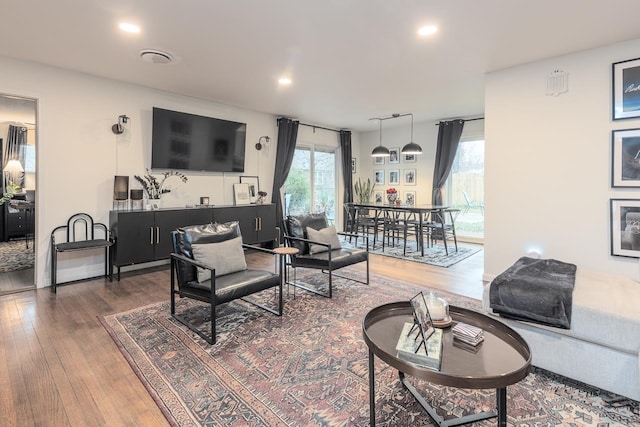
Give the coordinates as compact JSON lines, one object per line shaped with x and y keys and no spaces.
{"x":468,"y":334}
{"x":411,"y":349}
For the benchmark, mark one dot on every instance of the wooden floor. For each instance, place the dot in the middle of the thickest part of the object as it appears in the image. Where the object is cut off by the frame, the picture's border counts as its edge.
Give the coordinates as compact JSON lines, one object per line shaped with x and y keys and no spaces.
{"x":59,"y":367}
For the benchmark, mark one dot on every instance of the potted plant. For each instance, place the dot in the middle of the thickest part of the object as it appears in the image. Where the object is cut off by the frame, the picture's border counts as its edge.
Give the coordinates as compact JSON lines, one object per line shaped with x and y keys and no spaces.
{"x":363,"y":191}
{"x":154,"y":187}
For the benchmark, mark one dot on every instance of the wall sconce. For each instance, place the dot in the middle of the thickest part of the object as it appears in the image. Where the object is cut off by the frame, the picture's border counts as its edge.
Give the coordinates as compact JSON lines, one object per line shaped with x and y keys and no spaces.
{"x":119,"y":128}
{"x":259,"y":144}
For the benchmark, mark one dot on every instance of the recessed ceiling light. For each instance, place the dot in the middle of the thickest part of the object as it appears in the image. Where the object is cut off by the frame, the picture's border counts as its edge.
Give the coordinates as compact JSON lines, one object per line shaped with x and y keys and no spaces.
{"x":427,"y":30}
{"x":129,"y":28}
{"x":284,"y":81}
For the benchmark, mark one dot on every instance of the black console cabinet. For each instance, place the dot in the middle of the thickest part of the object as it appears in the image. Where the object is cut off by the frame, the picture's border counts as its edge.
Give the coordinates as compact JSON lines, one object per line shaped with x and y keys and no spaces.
{"x":145,"y":236}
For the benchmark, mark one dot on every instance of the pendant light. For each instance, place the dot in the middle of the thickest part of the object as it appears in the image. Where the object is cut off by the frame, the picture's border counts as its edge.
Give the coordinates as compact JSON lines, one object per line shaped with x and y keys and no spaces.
{"x":380,"y":150}
{"x":411,"y":147}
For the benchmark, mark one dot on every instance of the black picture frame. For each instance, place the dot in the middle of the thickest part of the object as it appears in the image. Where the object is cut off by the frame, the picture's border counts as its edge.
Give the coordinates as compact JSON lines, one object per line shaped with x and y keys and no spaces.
{"x":422,"y":318}
{"x":625,"y":158}
{"x":625,"y":227}
{"x":626,"y":89}
{"x":254,"y":186}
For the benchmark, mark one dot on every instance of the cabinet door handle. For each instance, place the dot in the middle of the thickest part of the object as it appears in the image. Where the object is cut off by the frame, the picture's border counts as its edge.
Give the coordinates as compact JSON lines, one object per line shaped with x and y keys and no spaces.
{"x":157,"y":235}
{"x":256,"y":223}
{"x":151,"y":235}
{"x":260,"y":222}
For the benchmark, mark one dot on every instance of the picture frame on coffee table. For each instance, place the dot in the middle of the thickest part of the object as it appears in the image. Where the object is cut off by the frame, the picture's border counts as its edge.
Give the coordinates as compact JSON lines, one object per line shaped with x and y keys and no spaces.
{"x":625,"y":227}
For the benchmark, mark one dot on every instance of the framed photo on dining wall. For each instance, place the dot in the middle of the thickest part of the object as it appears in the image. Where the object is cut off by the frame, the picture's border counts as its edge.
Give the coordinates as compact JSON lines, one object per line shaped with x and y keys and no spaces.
{"x":626,"y":89}
{"x":394,"y":155}
{"x":409,"y":158}
{"x":409,"y":198}
{"x":625,"y":158}
{"x":394,"y":177}
{"x":378,"y":160}
{"x":409,"y":177}
{"x":625,"y":227}
{"x":378,"y":196}
{"x":379,"y":176}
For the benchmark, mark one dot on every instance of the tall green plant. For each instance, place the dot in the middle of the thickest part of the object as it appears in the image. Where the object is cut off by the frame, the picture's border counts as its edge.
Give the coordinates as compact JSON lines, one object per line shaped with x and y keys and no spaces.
{"x":363,"y":191}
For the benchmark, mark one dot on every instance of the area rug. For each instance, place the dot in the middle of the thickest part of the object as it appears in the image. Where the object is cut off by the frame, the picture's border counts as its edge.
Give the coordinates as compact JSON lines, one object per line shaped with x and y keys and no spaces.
{"x":14,"y":256}
{"x":433,"y":255}
{"x":310,"y":368}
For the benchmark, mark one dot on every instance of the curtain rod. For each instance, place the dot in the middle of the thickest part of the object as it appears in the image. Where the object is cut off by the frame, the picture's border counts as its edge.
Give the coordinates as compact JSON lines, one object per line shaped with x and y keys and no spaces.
{"x":464,"y":120}
{"x":320,"y":127}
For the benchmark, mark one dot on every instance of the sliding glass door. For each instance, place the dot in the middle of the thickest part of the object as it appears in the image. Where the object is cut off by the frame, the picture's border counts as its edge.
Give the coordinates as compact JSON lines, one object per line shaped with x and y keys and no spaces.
{"x":311,"y":184}
{"x":465,"y":189}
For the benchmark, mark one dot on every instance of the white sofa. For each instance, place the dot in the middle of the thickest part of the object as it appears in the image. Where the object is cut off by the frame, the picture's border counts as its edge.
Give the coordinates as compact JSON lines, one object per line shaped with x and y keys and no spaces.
{"x":602,"y":348}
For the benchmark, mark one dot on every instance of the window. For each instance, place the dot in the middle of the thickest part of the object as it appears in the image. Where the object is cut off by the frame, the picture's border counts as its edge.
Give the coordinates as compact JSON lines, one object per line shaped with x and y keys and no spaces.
{"x":312,"y":182}
{"x":465,"y":189}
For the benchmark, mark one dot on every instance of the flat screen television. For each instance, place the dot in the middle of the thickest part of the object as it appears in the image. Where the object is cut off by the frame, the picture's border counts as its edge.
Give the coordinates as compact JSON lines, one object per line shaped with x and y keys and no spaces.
{"x":195,"y":143}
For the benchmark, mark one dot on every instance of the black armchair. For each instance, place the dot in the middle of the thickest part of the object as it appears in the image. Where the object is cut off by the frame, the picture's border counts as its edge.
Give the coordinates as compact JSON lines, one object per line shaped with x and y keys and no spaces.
{"x":323,"y":252}
{"x":208,"y":265}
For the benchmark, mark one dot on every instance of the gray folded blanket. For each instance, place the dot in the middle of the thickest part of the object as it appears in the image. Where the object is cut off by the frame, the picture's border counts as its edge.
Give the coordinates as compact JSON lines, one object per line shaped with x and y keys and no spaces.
{"x":536,"y":290}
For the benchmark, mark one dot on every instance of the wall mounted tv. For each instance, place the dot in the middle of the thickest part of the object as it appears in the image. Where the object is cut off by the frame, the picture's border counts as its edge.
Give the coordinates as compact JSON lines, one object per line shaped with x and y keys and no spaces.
{"x":196,"y":143}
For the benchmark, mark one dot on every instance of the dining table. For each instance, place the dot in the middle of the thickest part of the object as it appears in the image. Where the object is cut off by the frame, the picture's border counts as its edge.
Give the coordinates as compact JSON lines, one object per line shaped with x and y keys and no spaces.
{"x":423,"y":212}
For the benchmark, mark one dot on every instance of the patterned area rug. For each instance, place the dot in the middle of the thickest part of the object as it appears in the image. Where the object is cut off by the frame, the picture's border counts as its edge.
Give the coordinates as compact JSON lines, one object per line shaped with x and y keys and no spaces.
{"x":433,"y":255}
{"x":310,"y":367}
{"x":14,"y":255}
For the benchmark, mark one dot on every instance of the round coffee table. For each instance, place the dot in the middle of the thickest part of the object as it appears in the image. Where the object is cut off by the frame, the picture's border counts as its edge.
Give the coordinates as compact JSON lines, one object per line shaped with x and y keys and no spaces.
{"x":502,"y":359}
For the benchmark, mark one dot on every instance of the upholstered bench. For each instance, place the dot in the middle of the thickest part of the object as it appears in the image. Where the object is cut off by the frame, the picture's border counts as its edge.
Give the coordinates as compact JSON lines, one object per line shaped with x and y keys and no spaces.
{"x":602,"y":348}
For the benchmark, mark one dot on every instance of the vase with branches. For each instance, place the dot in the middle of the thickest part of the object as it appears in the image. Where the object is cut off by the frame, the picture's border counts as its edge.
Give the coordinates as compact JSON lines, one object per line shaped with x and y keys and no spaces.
{"x":154,"y":187}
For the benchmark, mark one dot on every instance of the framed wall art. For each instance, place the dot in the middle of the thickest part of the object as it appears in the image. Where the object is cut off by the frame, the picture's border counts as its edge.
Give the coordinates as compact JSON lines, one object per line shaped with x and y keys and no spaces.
{"x":378,"y":160}
{"x":409,"y":198}
{"x":378,"y":196}
{"x":394,"y":155}
{"x":379,"y":176}
{"x":241,"y":194}
{"x":626,"y":89}
{"x":254,"y":186}
{"x":409,"y":177}
{"x":394,"y":177}
{"x":625,"y":227}
{"x":625,"y":158}
{"x":409,"y":158}
{"x":353,"y":165}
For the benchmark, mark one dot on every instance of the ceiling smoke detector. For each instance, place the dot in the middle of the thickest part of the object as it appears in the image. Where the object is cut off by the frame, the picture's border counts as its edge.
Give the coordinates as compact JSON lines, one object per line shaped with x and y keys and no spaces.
{"x":155,"y":56}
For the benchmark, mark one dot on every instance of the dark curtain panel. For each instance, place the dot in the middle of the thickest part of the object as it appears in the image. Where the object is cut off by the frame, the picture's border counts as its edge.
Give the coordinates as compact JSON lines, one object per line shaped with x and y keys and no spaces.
{"x":287,"y":137}
{"x":448,"y":140}
{"x":14,"y":150}
{"x":345,"y":147}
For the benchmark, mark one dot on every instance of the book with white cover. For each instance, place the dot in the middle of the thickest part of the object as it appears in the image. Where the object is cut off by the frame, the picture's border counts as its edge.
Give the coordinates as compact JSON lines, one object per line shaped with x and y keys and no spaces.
{"x":407,"y":345}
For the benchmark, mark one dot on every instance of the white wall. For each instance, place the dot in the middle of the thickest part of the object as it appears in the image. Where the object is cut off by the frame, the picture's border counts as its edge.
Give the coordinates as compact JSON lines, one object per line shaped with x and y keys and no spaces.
{"x":548,"y":161}
{"x":78,"y":155}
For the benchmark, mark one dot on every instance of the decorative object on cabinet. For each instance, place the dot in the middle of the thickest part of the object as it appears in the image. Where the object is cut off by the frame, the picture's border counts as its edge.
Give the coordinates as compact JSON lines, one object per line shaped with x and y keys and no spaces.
{"x":626,"y":89}
{"x":625,"y":158}
{"x":254,"y":187}
{"x":241,"y":194}
{"x":120,"y":192}
{"x":137,"y":196}
{"x":79,"y":235}
{"x":262,"y":197}
{"x":154,"y":188}
{"x":204,"y":201}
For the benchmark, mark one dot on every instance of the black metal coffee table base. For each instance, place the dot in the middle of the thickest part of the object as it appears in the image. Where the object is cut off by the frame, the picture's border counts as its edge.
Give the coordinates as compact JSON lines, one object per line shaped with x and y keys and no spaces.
{"x":501,"y":413}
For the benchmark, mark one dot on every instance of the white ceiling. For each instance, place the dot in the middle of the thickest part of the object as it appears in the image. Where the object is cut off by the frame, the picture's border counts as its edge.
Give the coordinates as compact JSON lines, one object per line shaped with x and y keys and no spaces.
{"x":349,"y":59}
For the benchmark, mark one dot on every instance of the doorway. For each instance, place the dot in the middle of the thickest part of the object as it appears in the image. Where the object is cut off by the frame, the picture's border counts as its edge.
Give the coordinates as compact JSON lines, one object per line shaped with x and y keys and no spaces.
{"x":17,"y":212}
